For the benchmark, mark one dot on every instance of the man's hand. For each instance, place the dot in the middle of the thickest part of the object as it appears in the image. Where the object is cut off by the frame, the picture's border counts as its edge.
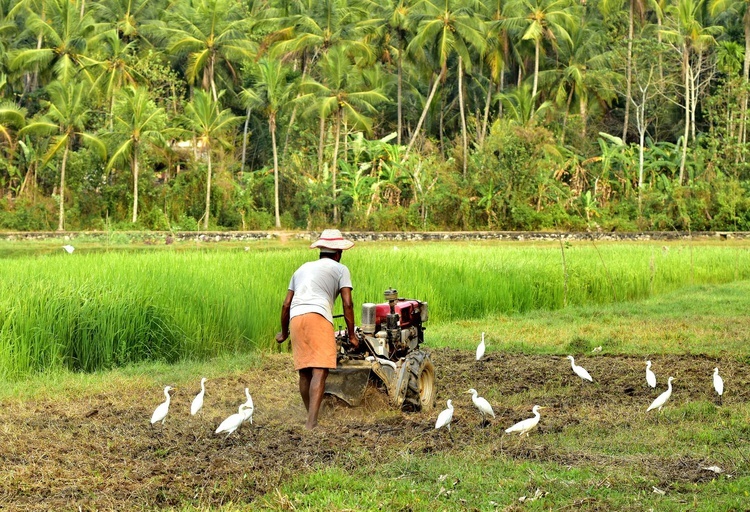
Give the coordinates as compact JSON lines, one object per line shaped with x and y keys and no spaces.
{"x":280,"y":337}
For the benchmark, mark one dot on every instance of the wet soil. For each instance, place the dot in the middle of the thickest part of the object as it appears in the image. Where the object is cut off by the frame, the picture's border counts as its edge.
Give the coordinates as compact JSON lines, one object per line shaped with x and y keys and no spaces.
{"x":100,"y":452}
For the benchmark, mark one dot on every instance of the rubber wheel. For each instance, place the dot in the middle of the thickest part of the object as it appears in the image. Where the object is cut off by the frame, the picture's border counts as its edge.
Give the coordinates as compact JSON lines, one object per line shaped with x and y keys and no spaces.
{"x":420,"y":393}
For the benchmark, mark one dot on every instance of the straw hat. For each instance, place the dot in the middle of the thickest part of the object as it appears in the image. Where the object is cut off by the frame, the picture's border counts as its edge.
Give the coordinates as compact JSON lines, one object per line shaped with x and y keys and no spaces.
{"x":332,"y":239}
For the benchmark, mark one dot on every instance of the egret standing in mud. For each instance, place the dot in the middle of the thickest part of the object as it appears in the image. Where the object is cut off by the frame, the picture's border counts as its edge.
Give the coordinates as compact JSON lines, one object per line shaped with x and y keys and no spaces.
{"x":662,"y":399}
{"x":718,"y":383}
{"x":445,"y":417}
{"x":580,"y":370}
{"x":249,"y":407}
{"x":160,"y":413}
{"x":650,"y":376}
{"x":233,"y":422}
{"x":523,"y":427}
{"x":485,"y":409}
{"x":480,"y":349}
{"x":198,"y":400}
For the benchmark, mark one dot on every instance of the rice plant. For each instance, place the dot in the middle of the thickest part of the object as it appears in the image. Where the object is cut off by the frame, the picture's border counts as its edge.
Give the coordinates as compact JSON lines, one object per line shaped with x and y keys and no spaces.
{"x":100,"y":309}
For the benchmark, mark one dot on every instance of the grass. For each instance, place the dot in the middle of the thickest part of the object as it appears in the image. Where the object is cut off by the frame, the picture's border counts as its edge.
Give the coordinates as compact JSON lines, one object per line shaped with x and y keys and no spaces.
{"x":104,"y":306}
{"x":596,"y":449}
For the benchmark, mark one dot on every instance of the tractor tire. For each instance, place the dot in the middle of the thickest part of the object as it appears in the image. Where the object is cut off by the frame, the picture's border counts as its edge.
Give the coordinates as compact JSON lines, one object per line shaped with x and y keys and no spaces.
{"x":420,"y":392}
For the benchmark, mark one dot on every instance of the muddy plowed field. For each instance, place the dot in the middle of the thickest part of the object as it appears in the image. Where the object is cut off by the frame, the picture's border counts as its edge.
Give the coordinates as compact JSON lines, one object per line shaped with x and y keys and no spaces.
{"x":100,"y":452}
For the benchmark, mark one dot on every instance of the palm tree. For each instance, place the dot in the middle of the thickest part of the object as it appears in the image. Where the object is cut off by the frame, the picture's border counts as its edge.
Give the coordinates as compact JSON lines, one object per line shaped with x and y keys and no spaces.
{"x":64,"y":37}
{"x":270,"y":93}
{"x":343,"y":95}
{"x":139,"y":123}
{"x":65,"y":119}
{"x":734,"y":8}
{"x":204,"y":118}
{"x":584,"y":73}
{"x":540,"y":20}
{"x":443,"y":30}
{"x":690,"y":38}
{"x":211,"y":33}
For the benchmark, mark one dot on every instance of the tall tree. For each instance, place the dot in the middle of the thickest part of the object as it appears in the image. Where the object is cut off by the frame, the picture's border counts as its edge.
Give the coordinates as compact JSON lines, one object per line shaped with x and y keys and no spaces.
{"x":270,"y":93}
{"x":205,"y":118}
{"x":540,"y":20}
{"x":446,"y":28}
{"x":67,"y":113}
{"x":64,"y":39}
{"x":211,"y":34}
{"x":139,"y":123}
{"x":343,"y":95}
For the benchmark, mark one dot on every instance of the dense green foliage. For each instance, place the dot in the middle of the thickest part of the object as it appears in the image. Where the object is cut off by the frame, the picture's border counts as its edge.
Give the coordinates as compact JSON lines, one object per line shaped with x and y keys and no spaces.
{"x":99,"y":309}
{"x":397,"y":114}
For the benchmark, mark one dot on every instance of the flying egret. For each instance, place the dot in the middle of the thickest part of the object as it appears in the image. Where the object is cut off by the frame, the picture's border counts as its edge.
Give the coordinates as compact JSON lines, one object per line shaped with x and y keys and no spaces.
{"x":650,"y":376}
{"x":160,"y":413}
{"x":483,"y":405}
{"x":69,"y":249}
{"x":249,"y":407}
{"x":233,"y":422}
{"x":662,"y":399}
{"x":580,"y":370}
{"x":445,"y":417}
{"x":718,"y":383}
{"x":523,"y":427}
{"x":480,"y":349}
{"x":198,"y":400}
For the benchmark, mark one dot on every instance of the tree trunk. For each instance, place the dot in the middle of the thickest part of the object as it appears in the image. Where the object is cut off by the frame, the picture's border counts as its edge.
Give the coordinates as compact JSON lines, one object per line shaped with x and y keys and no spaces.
{"x":333,"y":167}
{"x":272,"y":129}
{"x":565,"y":117}
{"x":536,"y":71}
{"x":135,"y":183}
{"x":423,"y":116}
{"x":746,"y":72}
{"x":686,"y":70}
{"x":320,"y":144}
{"x":398,"y":95}
{"x":584,"y":116}
{"x":211,"y":76}
{"x":464,"y":136}
{"x":61,"y":219}
{"x":486,"y":116}
{"x":244,"y":139}
{"x":628,"y":74}
{"x":208,"y":188}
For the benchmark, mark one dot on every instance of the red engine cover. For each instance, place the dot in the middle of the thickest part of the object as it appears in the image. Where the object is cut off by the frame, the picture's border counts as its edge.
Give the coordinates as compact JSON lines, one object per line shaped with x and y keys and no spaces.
{"x":403,"y":308}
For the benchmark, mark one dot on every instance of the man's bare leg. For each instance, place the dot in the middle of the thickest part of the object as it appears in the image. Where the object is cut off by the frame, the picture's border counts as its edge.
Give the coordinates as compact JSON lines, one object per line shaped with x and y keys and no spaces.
{"x":316,"y":391}
{"x":305,"y":376}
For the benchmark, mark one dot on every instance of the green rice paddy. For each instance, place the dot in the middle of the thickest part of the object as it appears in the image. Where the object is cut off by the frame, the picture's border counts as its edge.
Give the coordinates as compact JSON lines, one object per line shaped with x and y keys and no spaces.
{"x":96,"y":309}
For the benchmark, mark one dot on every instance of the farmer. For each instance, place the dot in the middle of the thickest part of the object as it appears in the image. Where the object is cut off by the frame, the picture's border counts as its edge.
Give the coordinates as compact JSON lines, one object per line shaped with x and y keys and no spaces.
{"x":307,"y":314}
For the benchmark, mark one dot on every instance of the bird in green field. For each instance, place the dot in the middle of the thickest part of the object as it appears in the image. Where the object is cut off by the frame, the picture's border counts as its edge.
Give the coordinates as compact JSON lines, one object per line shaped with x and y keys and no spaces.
{"x":525,"y":426}
{"x":662,"y":399}
{"x":198,"y":400}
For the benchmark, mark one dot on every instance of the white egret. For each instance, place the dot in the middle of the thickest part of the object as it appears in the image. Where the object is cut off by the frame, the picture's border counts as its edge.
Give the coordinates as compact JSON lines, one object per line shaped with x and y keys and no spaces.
{"x":160,"y":413}
{"x":485,"y":409}
{"x":718,"y":383}
{"x":233,"y":422}
{"x":650,"y":376}
{"x":69,"y":249}
{"x":198,"y":400}
{"x":480,"y":349}
{"x":523,"y":427}
{"x":445,"y":417}
{"x":662,"y":399}
{"x":580,"y":370}
{"x":249,"y":407}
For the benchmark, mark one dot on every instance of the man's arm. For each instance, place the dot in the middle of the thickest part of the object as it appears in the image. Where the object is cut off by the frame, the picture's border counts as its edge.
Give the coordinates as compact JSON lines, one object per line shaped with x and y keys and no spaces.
{"x":346,"y":302}
{"x":284,"y":334}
